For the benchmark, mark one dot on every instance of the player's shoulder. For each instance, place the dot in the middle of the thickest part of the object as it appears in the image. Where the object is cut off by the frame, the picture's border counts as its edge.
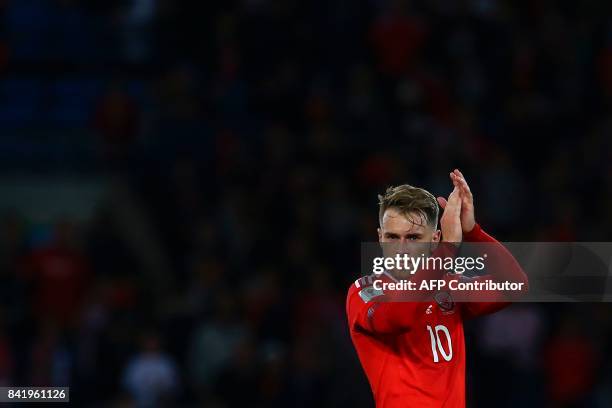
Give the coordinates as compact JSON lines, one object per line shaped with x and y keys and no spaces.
{"x":361,"y":283}
{"x":364,"y":288}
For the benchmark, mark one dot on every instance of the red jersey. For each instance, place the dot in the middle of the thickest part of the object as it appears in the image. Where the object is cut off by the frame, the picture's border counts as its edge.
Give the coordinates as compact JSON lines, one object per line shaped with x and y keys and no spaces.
{"x":413,"y":353}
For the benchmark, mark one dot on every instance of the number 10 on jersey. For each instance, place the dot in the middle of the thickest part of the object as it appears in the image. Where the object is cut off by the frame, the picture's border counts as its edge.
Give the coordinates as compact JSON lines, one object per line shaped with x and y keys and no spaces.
{"x":436,"y":344}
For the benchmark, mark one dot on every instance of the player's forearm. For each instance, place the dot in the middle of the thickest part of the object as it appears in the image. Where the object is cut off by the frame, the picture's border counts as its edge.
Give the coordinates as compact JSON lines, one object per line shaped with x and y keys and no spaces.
{"x":501,"y":264}
{"x":390,"y":317}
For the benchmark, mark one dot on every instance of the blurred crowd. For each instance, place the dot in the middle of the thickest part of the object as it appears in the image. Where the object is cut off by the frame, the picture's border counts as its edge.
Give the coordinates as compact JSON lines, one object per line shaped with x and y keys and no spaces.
{"x":242,"y":145}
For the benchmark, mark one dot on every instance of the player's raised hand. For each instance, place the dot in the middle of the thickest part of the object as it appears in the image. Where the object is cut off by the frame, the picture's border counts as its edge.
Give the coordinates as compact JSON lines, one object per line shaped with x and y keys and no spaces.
{"x":450,"y":222}
{"x":467,"y":200}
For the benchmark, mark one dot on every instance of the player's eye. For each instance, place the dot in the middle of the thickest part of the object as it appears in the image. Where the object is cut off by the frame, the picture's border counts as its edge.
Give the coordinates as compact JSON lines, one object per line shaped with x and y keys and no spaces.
{"x":413,"y":237}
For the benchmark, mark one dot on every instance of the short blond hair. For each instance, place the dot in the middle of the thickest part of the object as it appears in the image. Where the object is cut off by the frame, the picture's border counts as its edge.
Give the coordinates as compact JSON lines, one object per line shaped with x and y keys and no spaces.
{"x":408,"y":199}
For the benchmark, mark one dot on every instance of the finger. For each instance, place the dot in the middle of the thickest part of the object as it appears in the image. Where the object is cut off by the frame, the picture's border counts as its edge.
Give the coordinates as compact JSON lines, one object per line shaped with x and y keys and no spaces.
{"x":458,"y":181}
{"x":463,"y":182}
{"x":453,"y":178}
{"x":463,"y":185}
{"x":456,"y":176}
{"x":465,"y":189}
{"x":461,"y":178}
{"x":442,"y":201}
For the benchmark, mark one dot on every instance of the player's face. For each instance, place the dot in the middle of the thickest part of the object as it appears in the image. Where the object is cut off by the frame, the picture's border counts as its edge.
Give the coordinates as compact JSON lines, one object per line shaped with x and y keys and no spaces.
{"x":406,"y":234}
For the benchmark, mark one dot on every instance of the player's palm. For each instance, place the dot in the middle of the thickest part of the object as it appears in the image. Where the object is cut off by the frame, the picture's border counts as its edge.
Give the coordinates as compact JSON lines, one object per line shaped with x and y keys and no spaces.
{"x":467,"y":201}
{"x":467,"y":217}
{"x":450,"y":222}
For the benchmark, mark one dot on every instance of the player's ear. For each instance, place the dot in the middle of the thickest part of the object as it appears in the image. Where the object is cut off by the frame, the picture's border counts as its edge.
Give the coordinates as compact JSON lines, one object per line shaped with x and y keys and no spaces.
{"x":436,"y":236}
{"x":379,"y":234}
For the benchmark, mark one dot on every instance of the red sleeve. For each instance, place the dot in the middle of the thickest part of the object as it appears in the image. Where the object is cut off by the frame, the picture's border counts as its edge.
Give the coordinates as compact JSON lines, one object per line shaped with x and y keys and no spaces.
{"x":502,"y":267}
{"x":376,"y":315}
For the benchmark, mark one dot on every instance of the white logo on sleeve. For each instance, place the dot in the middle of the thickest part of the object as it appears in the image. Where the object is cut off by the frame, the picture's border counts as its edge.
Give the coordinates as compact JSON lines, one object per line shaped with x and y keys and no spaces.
{"x":370,"y":293}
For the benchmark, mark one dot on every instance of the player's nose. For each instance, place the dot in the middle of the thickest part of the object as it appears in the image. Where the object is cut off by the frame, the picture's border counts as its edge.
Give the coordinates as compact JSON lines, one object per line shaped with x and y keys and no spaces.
{"x":408,"y":247}
{"x":404,"y":246}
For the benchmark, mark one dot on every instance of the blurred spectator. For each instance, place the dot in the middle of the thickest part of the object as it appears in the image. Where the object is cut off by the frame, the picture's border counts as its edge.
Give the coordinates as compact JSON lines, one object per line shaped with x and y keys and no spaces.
{"x":214,"y":343}
{"x":397,"y":36}
{"x":137,"y":25}
{"x":13,"y":257}
{"x":508,"y":342}
{"x":116,"y":119}
{"x":60,"y":274}
{"x":7,"y":356}
{"x":51,"y":360}
{"x":177,"y":94}
{"x":151,"y":377}
{"x":571,"y":362}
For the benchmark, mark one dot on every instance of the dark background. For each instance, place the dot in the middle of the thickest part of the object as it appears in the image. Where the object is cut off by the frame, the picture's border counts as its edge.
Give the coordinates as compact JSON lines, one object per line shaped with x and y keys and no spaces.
{"x":185,"y":186}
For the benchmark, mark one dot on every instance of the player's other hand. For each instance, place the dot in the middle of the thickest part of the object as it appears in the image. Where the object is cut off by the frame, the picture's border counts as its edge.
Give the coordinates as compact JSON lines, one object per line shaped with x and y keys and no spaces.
{"x":468,"y":219}
{"x":450,"y":222}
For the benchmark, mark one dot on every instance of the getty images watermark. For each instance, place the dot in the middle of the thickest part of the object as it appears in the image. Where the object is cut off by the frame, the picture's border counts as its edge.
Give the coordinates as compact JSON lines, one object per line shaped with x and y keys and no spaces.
{"x":403,"y":264}
{"x":477,"y":272}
